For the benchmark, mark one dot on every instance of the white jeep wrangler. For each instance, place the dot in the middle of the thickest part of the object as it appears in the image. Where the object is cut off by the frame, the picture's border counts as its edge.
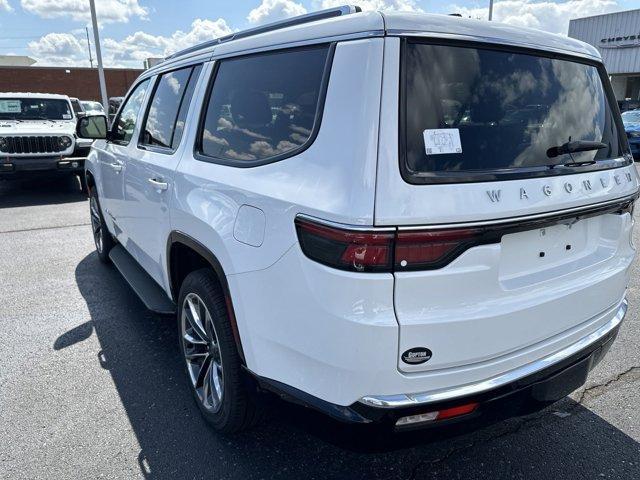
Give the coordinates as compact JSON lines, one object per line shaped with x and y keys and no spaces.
{"x":37,"y":137}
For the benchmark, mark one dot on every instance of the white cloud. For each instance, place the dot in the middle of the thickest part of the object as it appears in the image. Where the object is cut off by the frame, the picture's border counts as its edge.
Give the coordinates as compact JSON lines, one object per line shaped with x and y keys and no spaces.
{"x":397,"y":5}
{"x":107,"y":11}
{"x":133,"y":49}
{"x":59,"y":49}
{"x":544,"y":15}
{"x":4,"y":5}
{"x":273,"y":10}
{"x":202,"y":30}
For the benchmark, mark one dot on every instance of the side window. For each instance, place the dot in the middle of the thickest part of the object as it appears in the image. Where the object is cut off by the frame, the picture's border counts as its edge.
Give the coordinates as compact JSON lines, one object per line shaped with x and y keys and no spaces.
{"x":184,"y":107}
{"x":264,"y":106}
{"x":171,"y":93}
{"x":126,"y":121}
{"x":77,"y":108}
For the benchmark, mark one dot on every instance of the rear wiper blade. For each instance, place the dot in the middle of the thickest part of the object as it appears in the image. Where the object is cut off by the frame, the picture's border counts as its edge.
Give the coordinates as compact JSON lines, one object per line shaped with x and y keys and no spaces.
{"x":575,"y":146}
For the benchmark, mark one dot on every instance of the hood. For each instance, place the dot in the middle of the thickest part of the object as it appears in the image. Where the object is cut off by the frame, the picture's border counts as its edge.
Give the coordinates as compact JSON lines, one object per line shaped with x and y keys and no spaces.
{"x":37,"y":127}
{"x":632,"y":127}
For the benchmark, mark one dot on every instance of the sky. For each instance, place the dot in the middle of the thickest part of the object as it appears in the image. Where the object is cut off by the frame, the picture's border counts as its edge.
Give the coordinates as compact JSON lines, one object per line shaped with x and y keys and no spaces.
{"x":53,"y":31}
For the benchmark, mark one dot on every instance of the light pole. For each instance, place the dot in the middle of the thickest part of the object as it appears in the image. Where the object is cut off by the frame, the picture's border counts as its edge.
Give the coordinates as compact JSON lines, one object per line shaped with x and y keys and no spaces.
{"x":89,"y":46}
{"x":490,"y":10}
{"x":96,"y":38}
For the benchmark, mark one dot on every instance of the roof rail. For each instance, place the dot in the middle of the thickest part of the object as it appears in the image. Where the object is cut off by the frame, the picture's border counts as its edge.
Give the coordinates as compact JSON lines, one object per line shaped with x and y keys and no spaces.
{"x":289,"y":22}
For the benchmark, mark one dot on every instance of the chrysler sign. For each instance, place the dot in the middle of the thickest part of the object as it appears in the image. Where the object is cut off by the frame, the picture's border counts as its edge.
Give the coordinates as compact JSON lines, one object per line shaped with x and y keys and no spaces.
{"x":621,"y":41}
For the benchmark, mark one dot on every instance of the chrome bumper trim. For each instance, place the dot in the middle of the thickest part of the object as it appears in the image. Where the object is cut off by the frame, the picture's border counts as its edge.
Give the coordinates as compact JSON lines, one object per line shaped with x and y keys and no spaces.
{"x":413,"y":399}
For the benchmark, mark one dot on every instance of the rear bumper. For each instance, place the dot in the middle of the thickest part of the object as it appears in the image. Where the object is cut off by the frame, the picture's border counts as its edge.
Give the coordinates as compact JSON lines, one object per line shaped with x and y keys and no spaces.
{"x":514,"y":376}
{"x":25,"y":167}
{"x":516,"y":392}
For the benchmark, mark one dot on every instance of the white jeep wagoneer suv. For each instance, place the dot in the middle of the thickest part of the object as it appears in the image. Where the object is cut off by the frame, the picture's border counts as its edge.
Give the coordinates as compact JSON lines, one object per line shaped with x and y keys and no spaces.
{"x":398,"y":218}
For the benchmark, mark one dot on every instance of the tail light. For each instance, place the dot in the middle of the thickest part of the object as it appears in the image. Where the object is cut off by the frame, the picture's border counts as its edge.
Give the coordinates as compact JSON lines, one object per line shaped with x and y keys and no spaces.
{"x":389,"y":250}
{"x":386,"y":250}
{"x":424,"y":250}
{"x":361,"y":251}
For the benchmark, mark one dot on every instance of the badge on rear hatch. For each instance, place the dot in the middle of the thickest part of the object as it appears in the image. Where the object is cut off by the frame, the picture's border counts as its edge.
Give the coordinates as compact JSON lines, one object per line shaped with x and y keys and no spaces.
{"x":416,"y":355}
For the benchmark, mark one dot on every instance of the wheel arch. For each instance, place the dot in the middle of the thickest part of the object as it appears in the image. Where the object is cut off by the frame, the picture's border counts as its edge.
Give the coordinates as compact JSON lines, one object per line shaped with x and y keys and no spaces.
{"x":90,"y":179}
{"x":185,"y":254}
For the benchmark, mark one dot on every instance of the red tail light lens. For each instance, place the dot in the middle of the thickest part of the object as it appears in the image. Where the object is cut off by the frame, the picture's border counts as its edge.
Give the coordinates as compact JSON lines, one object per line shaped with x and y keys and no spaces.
{"x":457,"y":411}
{"x":432,"y":249}
{"x":366,"y":251}
{"x":383,"y":251}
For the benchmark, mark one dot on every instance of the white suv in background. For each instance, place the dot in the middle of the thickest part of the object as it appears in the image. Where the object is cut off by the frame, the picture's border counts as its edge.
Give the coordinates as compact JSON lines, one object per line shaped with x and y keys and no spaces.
{"x":399,"y":218}
{"x":37,"y":137}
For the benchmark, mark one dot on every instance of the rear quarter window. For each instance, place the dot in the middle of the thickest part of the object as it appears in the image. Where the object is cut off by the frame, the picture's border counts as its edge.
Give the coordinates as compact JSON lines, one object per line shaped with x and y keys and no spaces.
{"x":265,"y":107}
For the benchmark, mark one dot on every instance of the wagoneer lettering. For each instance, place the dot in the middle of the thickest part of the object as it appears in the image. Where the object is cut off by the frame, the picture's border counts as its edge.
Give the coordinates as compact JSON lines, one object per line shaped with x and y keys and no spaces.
{"x":494,"y":195}
{"x":314,"y":198}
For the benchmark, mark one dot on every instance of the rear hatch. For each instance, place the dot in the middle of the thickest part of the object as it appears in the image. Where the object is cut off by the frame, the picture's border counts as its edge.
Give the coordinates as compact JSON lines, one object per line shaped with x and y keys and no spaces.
{"x":508,"y":174}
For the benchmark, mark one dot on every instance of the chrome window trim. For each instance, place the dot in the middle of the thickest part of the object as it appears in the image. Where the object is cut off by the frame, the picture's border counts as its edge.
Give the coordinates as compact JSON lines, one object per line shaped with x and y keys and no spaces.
{"x":414,"y":399}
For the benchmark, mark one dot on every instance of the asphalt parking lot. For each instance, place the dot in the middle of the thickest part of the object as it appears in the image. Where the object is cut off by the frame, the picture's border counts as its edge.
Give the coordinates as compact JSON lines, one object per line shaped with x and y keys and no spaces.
{"x":91,"y":386}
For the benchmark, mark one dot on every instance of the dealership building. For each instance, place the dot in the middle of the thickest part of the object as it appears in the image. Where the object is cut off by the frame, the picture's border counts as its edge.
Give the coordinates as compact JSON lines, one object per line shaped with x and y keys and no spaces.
{"x":617,"y":37}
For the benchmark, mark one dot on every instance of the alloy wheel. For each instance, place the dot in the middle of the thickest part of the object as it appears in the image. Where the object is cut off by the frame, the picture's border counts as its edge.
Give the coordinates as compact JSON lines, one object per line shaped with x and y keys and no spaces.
{"x":202,"y":352}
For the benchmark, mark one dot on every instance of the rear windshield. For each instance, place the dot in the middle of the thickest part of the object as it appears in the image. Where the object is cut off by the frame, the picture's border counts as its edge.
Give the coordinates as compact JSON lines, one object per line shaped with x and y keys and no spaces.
{"x":472,"y":112}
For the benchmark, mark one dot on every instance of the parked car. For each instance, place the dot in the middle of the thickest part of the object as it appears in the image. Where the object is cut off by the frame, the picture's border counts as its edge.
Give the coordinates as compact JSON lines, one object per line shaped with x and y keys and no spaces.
{"x":92,"y":107}
{"x":324,"y":228}
{"x":114,"y":105}
{"x":626,"y":105}
{"x":37,"y":137}
{"x":78,"y":109}
{"x":631,"y":120}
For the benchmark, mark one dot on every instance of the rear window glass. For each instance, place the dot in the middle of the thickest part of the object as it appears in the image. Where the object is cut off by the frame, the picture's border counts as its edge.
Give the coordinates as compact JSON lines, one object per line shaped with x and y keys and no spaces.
{"x":264,"y":106}
{"x":479,"y":110}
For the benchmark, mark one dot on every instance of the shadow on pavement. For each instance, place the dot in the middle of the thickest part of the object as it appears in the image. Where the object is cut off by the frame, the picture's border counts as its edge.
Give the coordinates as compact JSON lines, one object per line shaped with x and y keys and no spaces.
{"x":140,"y":351}
{"x":40,"y":191}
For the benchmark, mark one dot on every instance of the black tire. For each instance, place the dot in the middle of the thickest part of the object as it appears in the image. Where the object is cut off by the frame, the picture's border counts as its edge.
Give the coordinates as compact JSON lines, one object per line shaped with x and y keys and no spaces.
{"x":101,"y":236}
{"x":238,"y":408}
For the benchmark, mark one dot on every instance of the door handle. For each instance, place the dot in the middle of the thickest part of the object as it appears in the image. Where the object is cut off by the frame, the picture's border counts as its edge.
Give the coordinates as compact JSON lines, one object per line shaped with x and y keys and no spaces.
{"x":116,"y":166}
{"x":158,"y":184}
